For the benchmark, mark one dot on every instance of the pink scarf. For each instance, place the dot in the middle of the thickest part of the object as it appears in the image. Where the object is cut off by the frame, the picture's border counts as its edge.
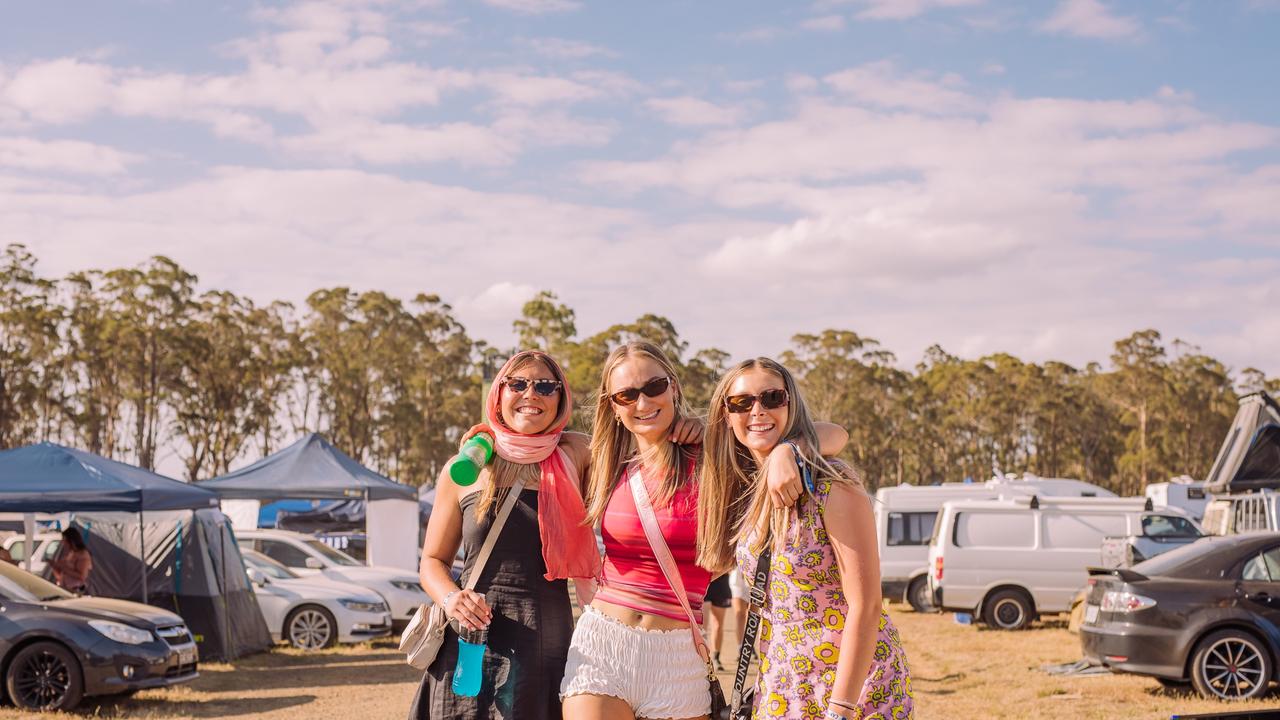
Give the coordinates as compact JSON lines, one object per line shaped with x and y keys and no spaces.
{"x":568,"y":545}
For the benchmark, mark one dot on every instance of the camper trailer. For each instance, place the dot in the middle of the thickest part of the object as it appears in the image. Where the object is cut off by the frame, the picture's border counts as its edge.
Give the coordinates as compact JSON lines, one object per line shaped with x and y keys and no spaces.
{"x":1245,"y":476}
{"x":1182,"y":492}
{"x":905,"y":515}
{"x":1008,"y":561}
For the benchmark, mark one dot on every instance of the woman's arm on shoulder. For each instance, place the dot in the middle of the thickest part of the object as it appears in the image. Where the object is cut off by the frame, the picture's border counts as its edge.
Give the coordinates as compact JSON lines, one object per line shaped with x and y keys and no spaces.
{"x":831,"y":438}
{"x":850,"y":526}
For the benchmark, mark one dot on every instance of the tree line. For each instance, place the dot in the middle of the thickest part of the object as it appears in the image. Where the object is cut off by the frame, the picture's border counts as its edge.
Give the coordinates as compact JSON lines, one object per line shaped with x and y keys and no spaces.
{"x":133,"y":362}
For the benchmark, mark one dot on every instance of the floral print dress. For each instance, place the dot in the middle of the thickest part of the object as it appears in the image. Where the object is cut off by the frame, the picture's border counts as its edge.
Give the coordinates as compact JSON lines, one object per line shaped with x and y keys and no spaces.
{"x":801,"y":626}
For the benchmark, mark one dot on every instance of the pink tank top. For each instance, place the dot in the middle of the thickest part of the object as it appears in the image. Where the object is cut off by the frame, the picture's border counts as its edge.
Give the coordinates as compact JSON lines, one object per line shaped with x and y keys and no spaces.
{"x":631,"y":575}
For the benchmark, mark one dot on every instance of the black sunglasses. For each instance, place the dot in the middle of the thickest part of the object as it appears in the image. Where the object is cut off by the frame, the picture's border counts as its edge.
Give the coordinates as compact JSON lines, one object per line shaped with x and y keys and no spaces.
{"x":653,"y":388}
{"x":769,"y":399}
{"x":543,"y":387}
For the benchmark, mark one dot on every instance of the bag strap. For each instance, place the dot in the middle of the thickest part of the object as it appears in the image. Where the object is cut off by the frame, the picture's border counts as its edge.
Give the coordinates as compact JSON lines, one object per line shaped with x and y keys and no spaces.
{"x":495,"y":529}
{"x":759,"y":592}
{"x":644,"y":509}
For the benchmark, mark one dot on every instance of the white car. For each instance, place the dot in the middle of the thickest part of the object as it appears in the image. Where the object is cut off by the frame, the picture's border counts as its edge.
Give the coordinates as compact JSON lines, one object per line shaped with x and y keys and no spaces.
{"x":305,"y":555}
{"x":314,"y":612}
{"x":46,"y":549}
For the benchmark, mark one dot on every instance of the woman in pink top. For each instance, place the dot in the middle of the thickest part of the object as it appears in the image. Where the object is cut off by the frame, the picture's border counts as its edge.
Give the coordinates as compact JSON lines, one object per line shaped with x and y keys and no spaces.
{"x":632,"y":655}
{"x":73,"y":563}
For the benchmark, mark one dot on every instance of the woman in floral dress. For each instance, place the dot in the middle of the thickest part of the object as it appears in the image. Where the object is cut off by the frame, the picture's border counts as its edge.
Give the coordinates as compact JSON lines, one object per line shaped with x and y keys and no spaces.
{"x":827,"y":649}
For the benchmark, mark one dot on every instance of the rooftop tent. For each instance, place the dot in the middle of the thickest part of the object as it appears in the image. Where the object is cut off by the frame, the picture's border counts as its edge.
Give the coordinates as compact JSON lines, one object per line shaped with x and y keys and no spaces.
{"x":312,"y":468}
{"x":52,"y":478}
{"x":309,"y":468}
{"x":1250,"y":455}
{"x":193,"y":568}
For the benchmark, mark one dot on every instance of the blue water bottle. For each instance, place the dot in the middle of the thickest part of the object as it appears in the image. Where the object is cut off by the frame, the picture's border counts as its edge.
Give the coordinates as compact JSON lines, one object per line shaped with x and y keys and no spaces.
{"x":469,"y":671}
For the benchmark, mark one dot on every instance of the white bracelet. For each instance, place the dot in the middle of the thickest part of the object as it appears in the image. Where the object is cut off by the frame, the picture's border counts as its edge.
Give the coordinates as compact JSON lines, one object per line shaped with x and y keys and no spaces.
{"x":444,"y":604}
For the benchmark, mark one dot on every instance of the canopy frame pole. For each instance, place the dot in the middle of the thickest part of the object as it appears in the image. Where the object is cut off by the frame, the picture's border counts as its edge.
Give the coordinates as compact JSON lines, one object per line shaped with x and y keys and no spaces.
{"x":142,"y":545}
{"x":368,"y":546}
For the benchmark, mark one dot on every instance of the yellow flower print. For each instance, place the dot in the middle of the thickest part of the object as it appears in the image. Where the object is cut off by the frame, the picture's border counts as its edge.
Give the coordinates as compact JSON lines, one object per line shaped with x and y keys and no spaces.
{"x":828,"y":653}
{"x":882,"y":650}
{"x":765,"y":664}
{"x":812,"y":710}
{"x":878,"y":694}
{"x":766,"y":630}
{"x":793,"y":634}
{"x":812,"y":627}
{"x":884,"y":620}
{"x":813,"y":558}
{"x":828,"y":677}
{"x":802,"y":665}
{"x":784,"y":614}
{"x":833,"y":619}
{"x":779,"y":590}
{"x":808,"y":604}
{"x":777,"y":705}
{"x":783,"y":565}
{"x":804,"y":689}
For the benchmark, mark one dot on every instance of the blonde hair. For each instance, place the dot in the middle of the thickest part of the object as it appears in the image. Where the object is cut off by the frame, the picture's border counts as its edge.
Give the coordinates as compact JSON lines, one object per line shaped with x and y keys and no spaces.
{"x":733,"y":493}
{"x":613,"y":445}
{"x":502,"y":474}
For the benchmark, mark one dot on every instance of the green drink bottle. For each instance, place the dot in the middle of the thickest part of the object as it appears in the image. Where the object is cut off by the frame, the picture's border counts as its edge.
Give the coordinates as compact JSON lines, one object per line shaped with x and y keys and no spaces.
{"x":474,"y":454}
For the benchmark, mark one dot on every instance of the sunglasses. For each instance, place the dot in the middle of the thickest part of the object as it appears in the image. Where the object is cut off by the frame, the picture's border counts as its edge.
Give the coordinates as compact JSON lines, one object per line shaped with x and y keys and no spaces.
{"x":545,"y":388}
{"x":653,"y":388}
{"x":769,"y":399}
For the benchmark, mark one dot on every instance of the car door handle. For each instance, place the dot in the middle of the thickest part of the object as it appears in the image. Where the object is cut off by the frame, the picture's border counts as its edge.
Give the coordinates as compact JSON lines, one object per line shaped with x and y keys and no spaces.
{"x":1260,"y":597}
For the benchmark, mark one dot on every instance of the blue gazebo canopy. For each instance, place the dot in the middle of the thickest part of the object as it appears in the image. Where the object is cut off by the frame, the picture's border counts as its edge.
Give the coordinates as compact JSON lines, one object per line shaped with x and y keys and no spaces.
{"x":50,"y":478}
{"x":309,"y":468}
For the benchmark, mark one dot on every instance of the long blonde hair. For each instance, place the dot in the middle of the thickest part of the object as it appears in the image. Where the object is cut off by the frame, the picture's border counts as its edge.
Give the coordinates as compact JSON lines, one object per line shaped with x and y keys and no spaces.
{"x":733,"y":492}
{"x":613,"y":445}
{"x":502,"y":474}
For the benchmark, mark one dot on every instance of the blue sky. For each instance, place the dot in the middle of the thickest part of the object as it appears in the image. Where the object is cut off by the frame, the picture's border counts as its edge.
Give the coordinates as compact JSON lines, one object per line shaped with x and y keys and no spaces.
{"x":1040,"y":178}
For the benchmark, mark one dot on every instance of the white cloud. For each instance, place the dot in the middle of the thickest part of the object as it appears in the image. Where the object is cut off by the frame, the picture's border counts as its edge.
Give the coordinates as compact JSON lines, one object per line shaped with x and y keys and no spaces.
{"x":900,"y":9}
{"x":64,"y":156}
{"x":993,"y":68}
{"x":1090,"y":19}
{"x":880,"y":84}
{"x":824,"y":23}
{"x":535,"y":7}
{"x":568,"y":49}
{"x":692,"y":111}
{"x":58,"y":91}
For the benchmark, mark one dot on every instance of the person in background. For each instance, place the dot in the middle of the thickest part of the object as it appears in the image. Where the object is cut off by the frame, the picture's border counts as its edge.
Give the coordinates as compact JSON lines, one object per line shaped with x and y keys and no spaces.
{"x":716,"y":601}
{"x":72,"y":565}
{"x":740,"y":590}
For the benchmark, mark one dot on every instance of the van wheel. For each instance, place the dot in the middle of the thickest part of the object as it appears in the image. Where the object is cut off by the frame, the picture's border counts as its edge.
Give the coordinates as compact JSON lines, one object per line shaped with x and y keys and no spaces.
{"x":918,"y":596}
{"x":1007,"y":610}
{"x":1231,"y":665}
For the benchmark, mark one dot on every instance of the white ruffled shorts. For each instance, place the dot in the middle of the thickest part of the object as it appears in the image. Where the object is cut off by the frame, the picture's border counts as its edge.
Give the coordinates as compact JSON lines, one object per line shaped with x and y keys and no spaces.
{"x":657,"y":672}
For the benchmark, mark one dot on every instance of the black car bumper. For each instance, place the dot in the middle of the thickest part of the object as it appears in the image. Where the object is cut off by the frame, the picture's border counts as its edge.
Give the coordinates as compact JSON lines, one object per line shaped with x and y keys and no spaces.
{"x":893,"y":590}
{"x":1138,"y":649}
{"x":111,"y":667}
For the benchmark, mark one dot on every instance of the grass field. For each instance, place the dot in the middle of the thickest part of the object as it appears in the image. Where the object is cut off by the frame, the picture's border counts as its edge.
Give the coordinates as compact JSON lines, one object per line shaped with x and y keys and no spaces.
{"x":959,"y":672}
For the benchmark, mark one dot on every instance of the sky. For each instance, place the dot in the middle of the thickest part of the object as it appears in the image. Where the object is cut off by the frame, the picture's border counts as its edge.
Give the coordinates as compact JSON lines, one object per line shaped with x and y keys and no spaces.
{"x":1038,"y":178}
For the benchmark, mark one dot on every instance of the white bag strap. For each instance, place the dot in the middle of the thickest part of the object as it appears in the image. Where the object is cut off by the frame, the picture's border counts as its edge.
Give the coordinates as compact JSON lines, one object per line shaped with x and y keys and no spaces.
{"x":663,"y":554}
{"x":491,"y":538}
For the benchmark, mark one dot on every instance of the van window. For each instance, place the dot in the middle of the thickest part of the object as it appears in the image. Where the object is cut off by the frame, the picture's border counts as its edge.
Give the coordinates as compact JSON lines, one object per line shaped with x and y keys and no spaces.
{"x":911,"y":528}
{"x":986,"y":529}
{"x":1081,"y":531}
{"x":1168,"y":526}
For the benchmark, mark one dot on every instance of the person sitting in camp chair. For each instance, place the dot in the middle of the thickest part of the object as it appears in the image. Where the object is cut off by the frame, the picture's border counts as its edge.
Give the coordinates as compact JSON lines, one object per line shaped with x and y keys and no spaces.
{"x":72,"y":565}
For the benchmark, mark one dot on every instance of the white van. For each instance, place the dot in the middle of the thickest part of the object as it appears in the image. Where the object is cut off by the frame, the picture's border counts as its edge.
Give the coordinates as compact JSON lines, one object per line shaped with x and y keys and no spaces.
{"x":1008,"y":561}
{"x":905,"y":515}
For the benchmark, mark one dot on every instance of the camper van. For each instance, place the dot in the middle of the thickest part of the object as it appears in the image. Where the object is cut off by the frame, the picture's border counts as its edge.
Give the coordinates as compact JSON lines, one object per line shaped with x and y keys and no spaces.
{"x":1007,"y":561}
{"x":905,"y":515}
{"x":1182,"y":492}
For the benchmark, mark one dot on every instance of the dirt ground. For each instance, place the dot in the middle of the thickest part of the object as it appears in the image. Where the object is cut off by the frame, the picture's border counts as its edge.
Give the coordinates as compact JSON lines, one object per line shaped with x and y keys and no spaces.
{"x":959,"y":672}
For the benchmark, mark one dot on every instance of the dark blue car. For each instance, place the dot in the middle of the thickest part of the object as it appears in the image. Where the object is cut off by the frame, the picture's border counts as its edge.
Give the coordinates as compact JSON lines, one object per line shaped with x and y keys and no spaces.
{"x":56,"y":647}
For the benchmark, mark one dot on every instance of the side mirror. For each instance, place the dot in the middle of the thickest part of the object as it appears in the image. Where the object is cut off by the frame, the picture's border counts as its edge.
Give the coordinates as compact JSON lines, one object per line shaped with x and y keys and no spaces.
{"x":314,"y":564}
{"x":255,"y":576}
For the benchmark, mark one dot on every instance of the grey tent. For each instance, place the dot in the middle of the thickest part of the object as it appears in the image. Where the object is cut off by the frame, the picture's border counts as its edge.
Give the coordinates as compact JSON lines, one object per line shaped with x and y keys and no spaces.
{"x":1250,"y":455}
{"x":193,"y":568}
{"x":310,"y":468}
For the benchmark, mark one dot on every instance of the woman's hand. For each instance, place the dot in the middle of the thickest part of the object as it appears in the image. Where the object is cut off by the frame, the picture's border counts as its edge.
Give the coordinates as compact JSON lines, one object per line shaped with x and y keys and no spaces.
{"x":783,"y":475}
{"x":469,"y":609}
{"x":688,"y":431}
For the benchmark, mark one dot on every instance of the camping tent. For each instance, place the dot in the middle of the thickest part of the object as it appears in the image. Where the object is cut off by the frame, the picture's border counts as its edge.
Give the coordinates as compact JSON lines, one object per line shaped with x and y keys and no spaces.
{"x":313,"y":468}
{"x":135,"y":537}
{"x":193,"y":568}
{"x":1250,"y":456}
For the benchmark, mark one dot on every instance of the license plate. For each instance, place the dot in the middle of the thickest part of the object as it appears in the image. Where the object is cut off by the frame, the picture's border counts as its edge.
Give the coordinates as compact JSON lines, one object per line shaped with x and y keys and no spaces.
{"x":1090,"y":613}
{"x":186,"y":656}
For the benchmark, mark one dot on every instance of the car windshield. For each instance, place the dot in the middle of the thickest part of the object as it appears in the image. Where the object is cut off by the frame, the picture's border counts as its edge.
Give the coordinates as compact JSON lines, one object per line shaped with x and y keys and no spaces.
{"x":268,"y":567}
{"x":1168,"y":526}
{"x":337,"y":557}
{"x":18,"y":584}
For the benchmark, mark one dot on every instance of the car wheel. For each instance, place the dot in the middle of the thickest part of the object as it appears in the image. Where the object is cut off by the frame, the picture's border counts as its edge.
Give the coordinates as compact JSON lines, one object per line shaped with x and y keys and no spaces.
{"x":311,"y":627}
{"x":918,"y":596}
{"x":1007,"y":610}
{"x":45,"y":676}
{"x":1231,"y":665}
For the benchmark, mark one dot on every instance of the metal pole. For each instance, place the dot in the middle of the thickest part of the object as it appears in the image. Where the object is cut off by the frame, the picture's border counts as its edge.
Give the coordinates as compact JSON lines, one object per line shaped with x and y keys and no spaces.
{"x":29,"y":530}
{"x":142,"y":546}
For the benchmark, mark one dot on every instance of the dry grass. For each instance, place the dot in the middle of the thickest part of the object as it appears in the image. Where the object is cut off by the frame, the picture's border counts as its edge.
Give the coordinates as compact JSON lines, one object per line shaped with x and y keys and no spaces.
{"x":959,"y":672}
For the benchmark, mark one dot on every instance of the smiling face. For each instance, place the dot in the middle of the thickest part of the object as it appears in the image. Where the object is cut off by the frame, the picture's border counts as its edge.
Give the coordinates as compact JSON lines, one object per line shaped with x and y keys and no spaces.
{"x":759,"y":429}
{"x":650,"y":418}
{"x":528,"y":412}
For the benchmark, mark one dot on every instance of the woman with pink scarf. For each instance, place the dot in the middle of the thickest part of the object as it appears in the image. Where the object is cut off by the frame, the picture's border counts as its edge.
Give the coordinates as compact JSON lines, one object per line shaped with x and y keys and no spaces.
{"x":521,"y":599}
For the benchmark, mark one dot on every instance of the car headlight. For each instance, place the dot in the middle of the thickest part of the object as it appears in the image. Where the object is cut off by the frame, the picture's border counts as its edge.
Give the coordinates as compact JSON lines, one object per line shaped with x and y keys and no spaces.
{"x":409,"y":585}
{"x":363,"y":605}
{"x":120,"y":632}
